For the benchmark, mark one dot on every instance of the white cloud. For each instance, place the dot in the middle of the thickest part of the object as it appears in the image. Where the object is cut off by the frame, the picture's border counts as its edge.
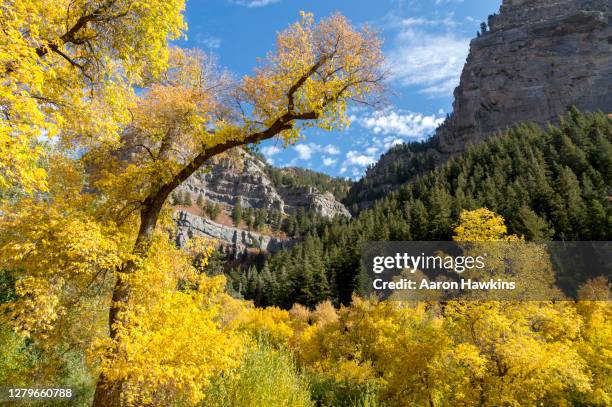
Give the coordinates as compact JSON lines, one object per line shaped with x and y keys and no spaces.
{"x":254,"y":3}
{"x":447,"y":21}
{"x":208,"y":42}
{"x":343,"y":170}
{"x":391,"y":141}
{"x":361,"y":160}
{"x":405,"y":124}
{"x":269,"y":151}
{"x":328,"y":161}
{"x":304,"y":151}
{"x":331,"y":150}
{"x":371,"y":150}
{"x":428,"y":60}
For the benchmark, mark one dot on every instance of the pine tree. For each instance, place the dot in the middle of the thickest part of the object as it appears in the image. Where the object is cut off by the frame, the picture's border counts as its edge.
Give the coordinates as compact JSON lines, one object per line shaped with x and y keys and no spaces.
{"x":237,"y":213}
{"x":187,"y":199}
{"x":532,"y":226}
{"x":215,"y":211}
{"x":483,"y":28}
{"x":260,"y":219}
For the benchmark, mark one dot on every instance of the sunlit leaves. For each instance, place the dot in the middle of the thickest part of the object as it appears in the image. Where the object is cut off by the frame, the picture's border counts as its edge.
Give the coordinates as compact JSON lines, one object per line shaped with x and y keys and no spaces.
{"x":67,"y":70}
{"x":317,"y":69}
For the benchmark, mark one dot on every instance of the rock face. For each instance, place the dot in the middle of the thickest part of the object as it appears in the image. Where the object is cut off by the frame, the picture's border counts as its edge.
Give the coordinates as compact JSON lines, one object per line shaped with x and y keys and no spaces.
{"x":237,"y":240}
{"x":538,"y":58}
{"x":244,"y":179}
{"x":239,"y":178}
{"x":322,"y":203}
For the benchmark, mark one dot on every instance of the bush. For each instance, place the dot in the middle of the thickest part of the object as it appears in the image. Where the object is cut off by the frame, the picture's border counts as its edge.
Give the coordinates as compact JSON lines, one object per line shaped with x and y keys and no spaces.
{"x":329,"y":392}
{"x":267,"y":377}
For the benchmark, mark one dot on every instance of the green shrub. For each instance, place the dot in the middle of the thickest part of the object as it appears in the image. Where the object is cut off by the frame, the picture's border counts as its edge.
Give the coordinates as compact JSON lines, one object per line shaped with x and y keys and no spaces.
{"x":267,"y":377}
{"x":328,"y":392}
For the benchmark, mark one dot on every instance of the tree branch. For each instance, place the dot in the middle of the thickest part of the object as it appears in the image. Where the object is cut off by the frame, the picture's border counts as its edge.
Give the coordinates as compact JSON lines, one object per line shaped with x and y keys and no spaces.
{"x":298,"y":84}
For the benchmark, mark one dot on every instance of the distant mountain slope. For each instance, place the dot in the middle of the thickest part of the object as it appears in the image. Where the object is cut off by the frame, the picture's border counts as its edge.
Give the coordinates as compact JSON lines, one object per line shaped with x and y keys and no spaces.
{"x":402,"y":162}
{"x":273,"y":202}
{"x":554,"y":184}
{"x":536,"y":60}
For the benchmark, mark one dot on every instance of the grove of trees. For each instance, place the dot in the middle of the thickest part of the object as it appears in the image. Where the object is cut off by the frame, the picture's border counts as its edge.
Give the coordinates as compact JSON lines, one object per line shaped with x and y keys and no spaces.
{"x":102,"y":119}
{"x":550,"y":184}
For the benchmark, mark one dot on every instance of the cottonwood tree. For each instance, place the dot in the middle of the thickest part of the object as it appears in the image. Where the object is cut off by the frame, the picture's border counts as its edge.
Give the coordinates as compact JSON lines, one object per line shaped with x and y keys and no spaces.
{"x":68,"y":68}
{"x":188,"y":117}
{"x":188,"y":112}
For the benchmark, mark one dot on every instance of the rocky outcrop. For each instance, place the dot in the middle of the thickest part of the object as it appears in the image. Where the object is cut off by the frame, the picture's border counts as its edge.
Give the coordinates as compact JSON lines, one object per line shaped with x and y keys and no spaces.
{"x":236,"y":240}
{"x":239,"y":177}
{"x":312,"y":200}
{"x":538,"y":58}
{"x":244,"y":178}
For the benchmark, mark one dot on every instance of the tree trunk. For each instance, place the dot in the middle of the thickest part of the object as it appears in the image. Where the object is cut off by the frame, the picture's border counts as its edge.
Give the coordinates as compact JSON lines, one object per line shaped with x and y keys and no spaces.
{"x":108,"y":393}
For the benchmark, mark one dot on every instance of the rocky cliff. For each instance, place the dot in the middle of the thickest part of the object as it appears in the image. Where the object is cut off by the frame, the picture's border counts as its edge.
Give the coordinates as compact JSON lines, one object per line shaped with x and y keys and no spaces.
{"x":241,"y":177}
{"x":236,"y":240}
{"x":245,"y":178}
{"x":537,"y":59}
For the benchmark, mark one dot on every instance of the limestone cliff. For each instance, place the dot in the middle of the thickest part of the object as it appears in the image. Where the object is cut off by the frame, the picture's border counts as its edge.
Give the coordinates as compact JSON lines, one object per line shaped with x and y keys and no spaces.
{"x":241,"y":177}
{"x":537,"y":59}
{"x":235,"y":240}
{"x":245,"y":178}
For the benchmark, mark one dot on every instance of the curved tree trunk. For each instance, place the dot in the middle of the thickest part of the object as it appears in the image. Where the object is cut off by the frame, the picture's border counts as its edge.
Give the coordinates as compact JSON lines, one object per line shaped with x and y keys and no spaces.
{"x":108,"y":393}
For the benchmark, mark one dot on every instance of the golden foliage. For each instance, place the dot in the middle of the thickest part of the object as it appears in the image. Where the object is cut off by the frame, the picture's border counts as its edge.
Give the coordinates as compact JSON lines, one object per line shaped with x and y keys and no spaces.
{"x":57,"y":249}
{"x":316,"y":70}
{"x":481,"y":225}
{"x":67,"y":70}
{"x":94,"y":218}
{"x":95,"y":226}
{"x":170,"y":341}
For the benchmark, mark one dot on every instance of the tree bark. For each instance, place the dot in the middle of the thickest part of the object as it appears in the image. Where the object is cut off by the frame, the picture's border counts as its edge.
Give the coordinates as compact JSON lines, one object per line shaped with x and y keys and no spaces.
{"x":108,"y":393}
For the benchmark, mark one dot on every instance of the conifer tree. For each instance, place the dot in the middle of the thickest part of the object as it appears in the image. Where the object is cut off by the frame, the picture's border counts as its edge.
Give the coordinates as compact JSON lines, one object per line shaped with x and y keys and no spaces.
{"x":187,"y":199}
{"x":237,"y":213}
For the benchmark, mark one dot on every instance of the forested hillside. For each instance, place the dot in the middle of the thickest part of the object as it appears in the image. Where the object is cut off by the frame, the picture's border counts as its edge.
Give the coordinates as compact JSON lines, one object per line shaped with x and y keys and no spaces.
{"x":302,"y":177}
{"x":401,"y":163}
{"x":548,"y":184}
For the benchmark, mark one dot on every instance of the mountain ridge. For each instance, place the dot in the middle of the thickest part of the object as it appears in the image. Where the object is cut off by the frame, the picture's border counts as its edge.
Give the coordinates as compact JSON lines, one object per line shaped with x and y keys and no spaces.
{"x":535,"y":60}
{"x":270,"y":200}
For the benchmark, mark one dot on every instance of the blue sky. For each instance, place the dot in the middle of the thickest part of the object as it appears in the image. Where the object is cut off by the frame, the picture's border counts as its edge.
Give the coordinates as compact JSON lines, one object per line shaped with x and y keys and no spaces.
{"x":425,"y":41}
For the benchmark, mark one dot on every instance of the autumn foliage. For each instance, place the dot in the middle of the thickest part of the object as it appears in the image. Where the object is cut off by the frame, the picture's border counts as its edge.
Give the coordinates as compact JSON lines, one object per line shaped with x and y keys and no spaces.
{"x":101,"y":120}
